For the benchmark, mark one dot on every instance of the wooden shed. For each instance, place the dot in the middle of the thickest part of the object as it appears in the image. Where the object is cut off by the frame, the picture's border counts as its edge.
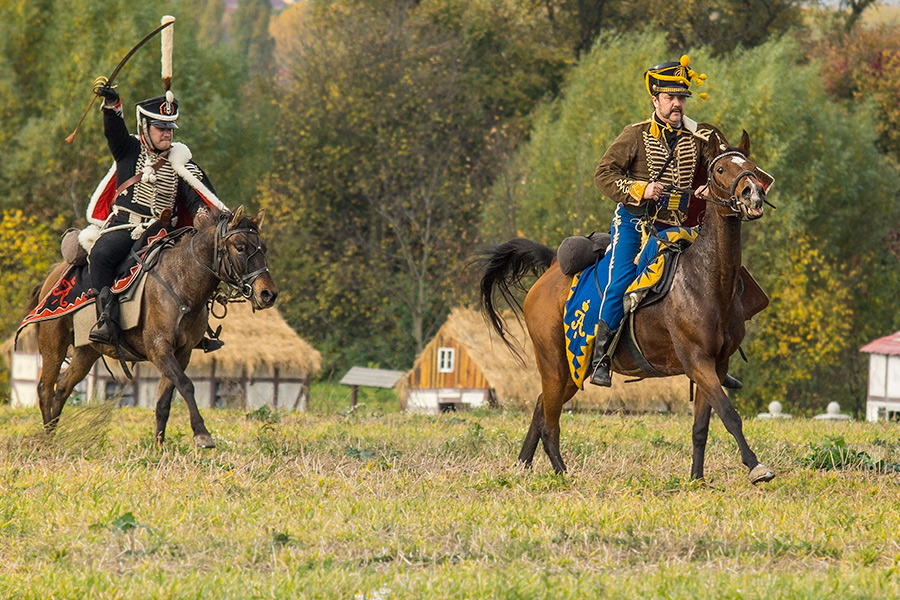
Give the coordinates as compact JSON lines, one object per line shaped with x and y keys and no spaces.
{"x":466,"y":365}
{"x":263,"y":363}
{"x":883,"y":398}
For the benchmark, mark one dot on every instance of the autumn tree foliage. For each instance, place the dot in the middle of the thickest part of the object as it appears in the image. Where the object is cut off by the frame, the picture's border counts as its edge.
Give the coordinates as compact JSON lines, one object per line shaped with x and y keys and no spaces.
{"x":864,"y":66}
{"x":28,"y":248}
{"x":388,"y":115}
{"x":721,"y":25}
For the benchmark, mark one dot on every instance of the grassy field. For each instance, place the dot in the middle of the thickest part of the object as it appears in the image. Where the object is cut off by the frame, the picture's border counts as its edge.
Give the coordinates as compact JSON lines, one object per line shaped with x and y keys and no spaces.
{"x":381,"y":505}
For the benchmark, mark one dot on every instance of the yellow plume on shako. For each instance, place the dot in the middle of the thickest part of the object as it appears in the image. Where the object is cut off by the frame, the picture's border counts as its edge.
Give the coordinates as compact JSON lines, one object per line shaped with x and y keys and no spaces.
{"x":673,"y":78}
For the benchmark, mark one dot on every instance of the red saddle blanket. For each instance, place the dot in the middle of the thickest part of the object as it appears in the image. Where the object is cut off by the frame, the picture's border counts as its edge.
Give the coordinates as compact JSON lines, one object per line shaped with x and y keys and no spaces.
{"x":72,"y":290}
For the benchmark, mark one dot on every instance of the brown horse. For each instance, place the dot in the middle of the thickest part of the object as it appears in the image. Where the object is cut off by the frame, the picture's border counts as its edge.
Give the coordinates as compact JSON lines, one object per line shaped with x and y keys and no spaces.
{"x":693,"y":330}
{"x":223,"y":247}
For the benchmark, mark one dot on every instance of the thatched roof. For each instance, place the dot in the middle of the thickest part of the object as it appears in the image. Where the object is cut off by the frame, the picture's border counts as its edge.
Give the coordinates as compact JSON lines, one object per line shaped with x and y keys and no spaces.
{"x":253,"y":340}
{"x":518,"y":385}
{"x":260,"y":339}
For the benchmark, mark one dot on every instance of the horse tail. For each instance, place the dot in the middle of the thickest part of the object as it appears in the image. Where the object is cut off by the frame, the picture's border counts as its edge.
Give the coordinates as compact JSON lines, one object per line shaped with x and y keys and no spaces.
{"x":504,"y":267}
{"x":33,"y":299}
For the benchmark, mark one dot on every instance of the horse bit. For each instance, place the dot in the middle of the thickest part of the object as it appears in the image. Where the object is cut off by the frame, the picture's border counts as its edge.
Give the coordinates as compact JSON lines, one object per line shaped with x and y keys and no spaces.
{"x":719,"y":191}
{"x":223,"y":267}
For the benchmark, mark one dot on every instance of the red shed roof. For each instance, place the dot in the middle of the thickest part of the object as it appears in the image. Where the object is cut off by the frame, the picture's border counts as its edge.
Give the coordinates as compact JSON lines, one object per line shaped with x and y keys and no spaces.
{"x":887,"y":345}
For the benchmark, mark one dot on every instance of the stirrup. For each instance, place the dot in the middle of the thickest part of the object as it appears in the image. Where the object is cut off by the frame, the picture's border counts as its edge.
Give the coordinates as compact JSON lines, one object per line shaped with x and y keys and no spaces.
{"x":210,"y":344}
{"x":601,"y":375}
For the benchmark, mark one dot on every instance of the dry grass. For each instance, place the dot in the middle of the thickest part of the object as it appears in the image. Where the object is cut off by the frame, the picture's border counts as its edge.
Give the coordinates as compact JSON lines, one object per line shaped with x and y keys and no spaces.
{"x":399,"y":506}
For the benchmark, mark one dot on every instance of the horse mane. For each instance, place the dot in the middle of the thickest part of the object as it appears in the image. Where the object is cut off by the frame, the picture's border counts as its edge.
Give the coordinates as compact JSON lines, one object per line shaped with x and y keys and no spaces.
{"x":213,"y":217}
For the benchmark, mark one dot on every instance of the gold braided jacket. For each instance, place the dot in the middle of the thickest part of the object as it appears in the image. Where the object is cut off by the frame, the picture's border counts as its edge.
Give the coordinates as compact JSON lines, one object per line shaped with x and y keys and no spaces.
{"x":636,"y":157}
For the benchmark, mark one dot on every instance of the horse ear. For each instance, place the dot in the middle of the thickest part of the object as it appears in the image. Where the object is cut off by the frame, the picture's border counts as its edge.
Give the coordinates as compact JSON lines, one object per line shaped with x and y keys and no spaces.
{"x":717,"y":142}
{"x":236,"y":217}
{"x":744,"y":146}
{"x":258,"y":219}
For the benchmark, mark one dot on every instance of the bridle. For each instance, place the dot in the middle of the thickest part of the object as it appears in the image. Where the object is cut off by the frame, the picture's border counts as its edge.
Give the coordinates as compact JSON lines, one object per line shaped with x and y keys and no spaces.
{"x":722,"y":196}
{"x":224,"y":268}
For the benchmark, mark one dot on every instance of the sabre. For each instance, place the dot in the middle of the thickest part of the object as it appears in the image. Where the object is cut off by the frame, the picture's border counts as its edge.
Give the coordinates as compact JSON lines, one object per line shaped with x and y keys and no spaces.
{"x":166,"y":21}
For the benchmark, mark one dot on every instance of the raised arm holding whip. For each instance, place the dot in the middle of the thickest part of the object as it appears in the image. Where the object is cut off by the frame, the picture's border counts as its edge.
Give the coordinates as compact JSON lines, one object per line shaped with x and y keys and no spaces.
{"x":151,"y":173}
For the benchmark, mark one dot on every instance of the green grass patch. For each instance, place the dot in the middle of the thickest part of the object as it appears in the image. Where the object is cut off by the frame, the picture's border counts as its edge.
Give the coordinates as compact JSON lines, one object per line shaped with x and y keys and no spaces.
{"x":330,"y":398}
{"x":385,"y":505}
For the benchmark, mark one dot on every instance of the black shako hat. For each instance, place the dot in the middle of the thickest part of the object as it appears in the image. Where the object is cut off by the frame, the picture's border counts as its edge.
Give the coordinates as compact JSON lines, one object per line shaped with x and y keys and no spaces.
{"x":673,"y":78}
{"x":161,"y":112}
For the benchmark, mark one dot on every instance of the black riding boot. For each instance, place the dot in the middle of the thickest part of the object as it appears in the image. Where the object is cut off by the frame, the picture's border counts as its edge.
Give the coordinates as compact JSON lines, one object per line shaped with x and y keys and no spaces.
{"x":600,"y":361}
{"x":107,"y":328}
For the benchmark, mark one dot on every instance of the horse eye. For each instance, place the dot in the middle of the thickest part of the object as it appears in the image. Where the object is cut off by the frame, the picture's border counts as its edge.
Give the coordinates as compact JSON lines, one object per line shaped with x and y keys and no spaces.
{"x":720,"y":170}
{"x":240,"y":247}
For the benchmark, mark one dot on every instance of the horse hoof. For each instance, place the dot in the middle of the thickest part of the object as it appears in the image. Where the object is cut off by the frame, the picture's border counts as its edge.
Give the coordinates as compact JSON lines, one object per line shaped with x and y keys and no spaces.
{"x":204,"y":440}
{"x":760,"y":474}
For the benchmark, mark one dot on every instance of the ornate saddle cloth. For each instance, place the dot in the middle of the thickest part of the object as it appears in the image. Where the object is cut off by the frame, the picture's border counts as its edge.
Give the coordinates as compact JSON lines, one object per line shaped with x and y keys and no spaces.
{"x":72,"y":291}
{"x":656,"y":268}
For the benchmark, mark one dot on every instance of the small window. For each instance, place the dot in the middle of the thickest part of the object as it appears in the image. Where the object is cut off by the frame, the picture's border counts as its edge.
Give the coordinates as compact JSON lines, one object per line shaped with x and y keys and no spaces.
{"x":445,"y":358}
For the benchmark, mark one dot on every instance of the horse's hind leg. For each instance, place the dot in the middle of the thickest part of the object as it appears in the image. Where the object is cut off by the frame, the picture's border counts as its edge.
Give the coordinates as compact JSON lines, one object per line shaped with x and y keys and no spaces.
{"x":163,"y":405}
{"x":558,"y":388}
{"x":534,"y":434}
{"x":553,"y":404}
{"x":46,"y":389}
{"x":82,"y":361}
{"x":700,"y":433}
{"x":53,"y":345}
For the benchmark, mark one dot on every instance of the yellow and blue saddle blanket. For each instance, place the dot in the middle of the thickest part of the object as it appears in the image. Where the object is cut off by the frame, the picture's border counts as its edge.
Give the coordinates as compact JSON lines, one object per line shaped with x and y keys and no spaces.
{"x":655,"y":267}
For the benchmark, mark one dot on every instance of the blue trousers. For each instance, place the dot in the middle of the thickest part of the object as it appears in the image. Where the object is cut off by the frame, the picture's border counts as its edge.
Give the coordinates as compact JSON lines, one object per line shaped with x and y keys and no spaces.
{"x":618,"y":265}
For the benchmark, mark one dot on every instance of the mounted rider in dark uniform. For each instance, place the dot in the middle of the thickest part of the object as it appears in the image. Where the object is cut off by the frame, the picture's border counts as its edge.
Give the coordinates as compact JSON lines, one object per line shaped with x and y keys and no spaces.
{"x":151,"y":174}
{"x":643,"y":165}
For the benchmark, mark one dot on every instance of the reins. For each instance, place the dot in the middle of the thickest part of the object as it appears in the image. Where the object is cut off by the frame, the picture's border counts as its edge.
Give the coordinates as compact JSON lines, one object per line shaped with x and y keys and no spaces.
{"x":722,"y":196}
{"x":223,"y":268}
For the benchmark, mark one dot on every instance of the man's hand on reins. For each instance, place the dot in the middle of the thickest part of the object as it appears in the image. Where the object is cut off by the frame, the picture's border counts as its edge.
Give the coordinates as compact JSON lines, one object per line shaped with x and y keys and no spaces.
{"x":653,"y":190}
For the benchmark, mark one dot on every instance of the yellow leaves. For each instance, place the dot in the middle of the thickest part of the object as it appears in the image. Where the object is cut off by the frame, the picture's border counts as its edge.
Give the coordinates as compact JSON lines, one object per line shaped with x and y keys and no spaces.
{"x":27,"y":249}
{"x":808,"y":322}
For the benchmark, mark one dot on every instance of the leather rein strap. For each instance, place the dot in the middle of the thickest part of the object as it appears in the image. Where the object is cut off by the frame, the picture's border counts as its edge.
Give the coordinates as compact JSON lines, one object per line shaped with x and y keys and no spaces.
{"x":721,"y":195}
{"x":241,"y":284}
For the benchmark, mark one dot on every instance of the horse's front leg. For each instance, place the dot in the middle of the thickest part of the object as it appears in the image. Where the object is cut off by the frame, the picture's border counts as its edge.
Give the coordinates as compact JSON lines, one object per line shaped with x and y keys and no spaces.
{"x":709,"y":385}
{"x":173,"y":370}
{"x":163,"y":406}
